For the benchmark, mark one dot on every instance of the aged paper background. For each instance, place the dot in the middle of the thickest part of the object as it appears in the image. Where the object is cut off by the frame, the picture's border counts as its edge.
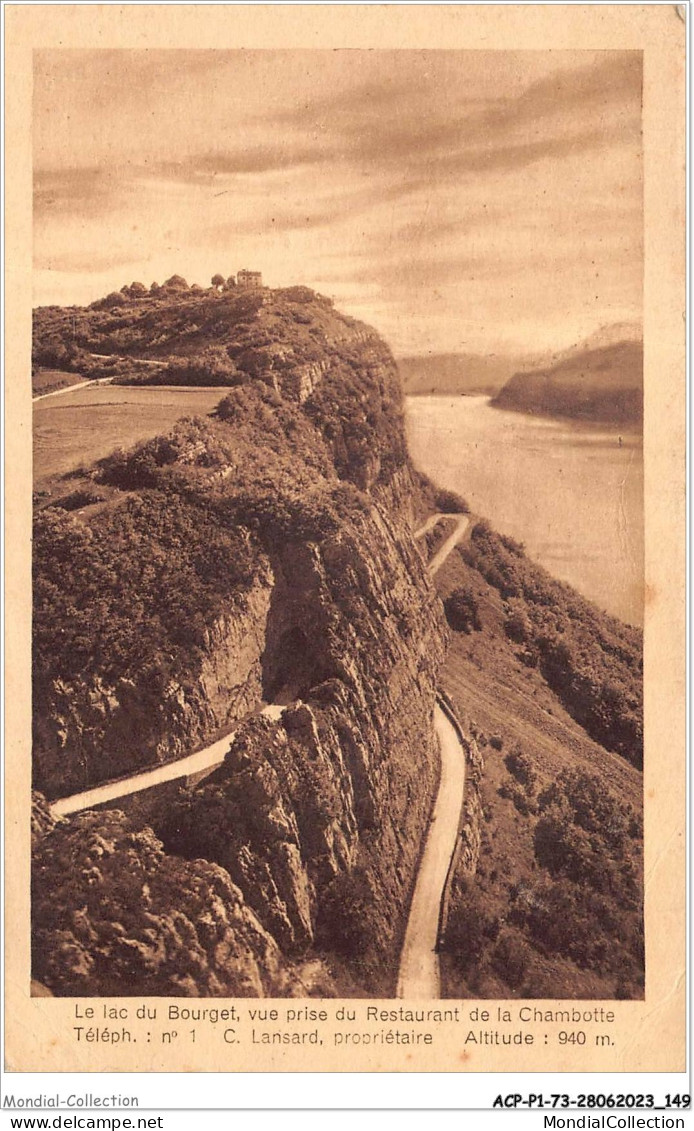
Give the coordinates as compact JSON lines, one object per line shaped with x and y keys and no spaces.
{"x":646,"y":1036}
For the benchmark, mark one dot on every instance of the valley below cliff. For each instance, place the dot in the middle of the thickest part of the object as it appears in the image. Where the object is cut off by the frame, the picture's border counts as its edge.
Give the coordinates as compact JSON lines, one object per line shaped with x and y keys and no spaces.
{"x":266,"y":555}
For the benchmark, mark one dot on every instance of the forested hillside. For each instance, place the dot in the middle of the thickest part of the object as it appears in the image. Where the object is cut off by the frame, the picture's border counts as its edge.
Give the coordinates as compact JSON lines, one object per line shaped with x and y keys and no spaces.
{"x":602,"y":384}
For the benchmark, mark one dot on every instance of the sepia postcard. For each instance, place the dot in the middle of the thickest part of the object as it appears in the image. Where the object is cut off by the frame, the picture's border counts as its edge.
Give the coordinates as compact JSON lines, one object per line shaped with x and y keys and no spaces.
{"x":345,"y":489}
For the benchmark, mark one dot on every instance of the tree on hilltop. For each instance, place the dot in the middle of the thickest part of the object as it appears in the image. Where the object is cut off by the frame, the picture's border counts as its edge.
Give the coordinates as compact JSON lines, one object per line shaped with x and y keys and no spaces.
{"x":135,"y":290}
{"x":176,"y":283}
{"x":217,"y":280}
{"x":115,"y":298}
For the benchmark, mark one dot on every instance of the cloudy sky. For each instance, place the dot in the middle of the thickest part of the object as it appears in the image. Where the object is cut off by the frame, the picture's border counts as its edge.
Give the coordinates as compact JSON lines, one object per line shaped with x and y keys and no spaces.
{"x":457,"y":200}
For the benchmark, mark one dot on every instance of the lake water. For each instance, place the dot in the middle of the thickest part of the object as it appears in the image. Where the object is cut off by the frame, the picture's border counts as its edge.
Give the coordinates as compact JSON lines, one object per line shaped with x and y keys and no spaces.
{"x":569,"y":491}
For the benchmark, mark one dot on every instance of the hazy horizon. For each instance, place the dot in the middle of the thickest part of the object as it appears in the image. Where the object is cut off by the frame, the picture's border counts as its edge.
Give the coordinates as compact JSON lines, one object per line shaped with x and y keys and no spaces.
{"x":459,"y":201}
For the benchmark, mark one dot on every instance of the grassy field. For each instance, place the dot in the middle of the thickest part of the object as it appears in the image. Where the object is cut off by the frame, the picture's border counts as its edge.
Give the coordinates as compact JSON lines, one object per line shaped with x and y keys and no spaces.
{"x":50,"y":380}
{"x":80,"y":427}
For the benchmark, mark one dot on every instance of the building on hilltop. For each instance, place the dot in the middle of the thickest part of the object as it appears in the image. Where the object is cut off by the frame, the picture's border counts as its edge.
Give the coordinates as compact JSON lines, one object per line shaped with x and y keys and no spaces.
{"x":249,"y":278}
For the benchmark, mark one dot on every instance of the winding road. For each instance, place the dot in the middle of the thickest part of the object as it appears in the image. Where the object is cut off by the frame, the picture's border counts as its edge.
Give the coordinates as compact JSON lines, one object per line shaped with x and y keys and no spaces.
{"x":418,"y":976}
{"x":454,"y":538}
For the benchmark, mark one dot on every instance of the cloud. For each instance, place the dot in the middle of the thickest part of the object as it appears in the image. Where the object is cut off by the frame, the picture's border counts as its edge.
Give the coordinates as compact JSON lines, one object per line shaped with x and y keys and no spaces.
{"x":484,"y":188}
{"x":413,"y":123}
{"x":407,"y":136}
{"x":207,"y":166}
{"x":75,"y":261}
{"x":74,"y":190}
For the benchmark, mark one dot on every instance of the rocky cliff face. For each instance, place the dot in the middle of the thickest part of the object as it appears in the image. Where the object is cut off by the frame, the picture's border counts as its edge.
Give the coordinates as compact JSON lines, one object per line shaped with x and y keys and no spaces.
{"x":91,"y":729}
{"x":118,"y":916}
{"x":307,"y":591}
{"x":344,"y":780}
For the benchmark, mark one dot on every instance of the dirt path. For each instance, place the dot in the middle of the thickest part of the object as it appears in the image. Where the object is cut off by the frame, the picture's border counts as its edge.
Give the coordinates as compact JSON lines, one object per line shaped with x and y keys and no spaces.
{"x":207,"y":759}
{"x":67,"y":389}
{"x":124,"y":357}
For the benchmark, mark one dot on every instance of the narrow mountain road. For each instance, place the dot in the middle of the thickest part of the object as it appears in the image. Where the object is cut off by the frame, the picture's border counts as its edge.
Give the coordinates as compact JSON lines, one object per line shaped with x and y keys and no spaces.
{"x":418,"y":976}
{"x":207,"y":759}
{"x":100,"y":380}
{"x":456,"y":536}
{"x":193,"y":764}
{"x":451,"y":542}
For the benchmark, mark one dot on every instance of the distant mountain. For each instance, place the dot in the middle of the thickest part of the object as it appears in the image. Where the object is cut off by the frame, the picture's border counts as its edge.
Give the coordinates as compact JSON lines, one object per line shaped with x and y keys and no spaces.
{"x":451,"y":374}
{"x":612,"y":335}
{"x":454,"y":373}
{"x":600,"y":380}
